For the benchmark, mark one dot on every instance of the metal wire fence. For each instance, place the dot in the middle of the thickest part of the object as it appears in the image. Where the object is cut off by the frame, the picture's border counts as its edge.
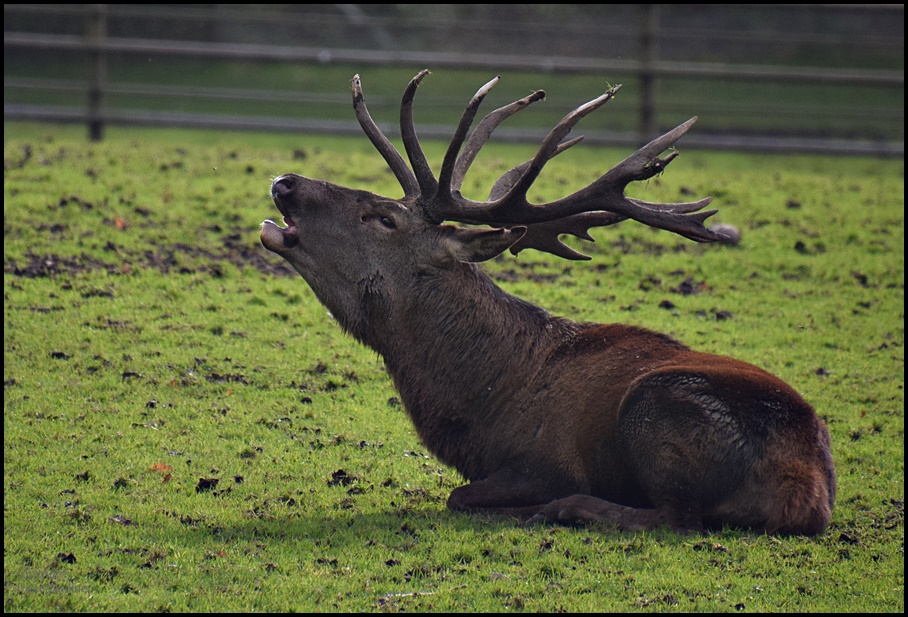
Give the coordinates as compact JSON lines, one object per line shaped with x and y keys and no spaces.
{"x":809,"y":78}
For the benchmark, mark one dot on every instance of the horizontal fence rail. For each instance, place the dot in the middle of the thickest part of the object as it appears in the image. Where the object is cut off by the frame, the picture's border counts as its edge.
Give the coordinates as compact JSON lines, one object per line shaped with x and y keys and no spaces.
{"x":98,"y":48}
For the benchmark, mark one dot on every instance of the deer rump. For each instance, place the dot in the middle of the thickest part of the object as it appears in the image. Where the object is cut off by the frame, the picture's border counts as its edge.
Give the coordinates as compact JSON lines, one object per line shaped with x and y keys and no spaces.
{"x":547,"y":418}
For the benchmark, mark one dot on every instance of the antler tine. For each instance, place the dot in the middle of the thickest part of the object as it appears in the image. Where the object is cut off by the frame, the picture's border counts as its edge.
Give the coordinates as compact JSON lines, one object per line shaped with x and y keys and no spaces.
{"x":544,"y":236}
{"x":482,"y":133}
{"x":508,"y":178}
{"x":607,"y":193}
{"x":428,"y":185}
{"x":680,"y":208}
{"x":445,"y":178}
{"x":392,"y":157}
{"x":549,"y":148}
{"x":644,"y":163}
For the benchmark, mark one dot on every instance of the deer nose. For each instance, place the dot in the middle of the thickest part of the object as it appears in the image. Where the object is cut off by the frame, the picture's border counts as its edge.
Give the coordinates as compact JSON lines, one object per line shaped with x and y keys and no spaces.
{"x":282,"y":187}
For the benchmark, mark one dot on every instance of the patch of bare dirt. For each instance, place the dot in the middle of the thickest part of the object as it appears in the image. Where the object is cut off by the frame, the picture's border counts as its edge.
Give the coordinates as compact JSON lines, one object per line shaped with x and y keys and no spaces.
{"x":163,"y":259}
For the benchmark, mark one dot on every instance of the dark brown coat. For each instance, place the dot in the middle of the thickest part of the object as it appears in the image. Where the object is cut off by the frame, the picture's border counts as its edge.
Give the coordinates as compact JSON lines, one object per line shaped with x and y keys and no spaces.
{"x":546,"y":417}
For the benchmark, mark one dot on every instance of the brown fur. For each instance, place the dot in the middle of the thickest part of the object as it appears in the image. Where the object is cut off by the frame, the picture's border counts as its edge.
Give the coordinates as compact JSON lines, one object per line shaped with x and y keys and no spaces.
{"x":545,"y":417}
{"x":555,"y":419}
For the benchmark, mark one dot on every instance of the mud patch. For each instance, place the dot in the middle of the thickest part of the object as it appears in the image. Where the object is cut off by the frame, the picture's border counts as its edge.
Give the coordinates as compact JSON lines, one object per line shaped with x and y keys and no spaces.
{"x":165,"y":260}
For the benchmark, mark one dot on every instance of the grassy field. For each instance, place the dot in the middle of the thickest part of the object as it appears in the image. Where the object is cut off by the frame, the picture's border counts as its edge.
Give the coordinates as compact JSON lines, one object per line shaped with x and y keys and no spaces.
{"x":186,"y":429}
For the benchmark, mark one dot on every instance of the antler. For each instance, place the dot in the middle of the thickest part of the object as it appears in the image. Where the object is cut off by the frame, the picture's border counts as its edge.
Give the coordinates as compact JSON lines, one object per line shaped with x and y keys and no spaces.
{"x":601,"y":203}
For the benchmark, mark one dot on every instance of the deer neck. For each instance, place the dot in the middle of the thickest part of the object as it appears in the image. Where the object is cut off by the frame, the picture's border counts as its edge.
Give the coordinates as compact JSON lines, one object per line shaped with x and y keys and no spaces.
{"x":460,"y":322}
{"x":459,"y":349}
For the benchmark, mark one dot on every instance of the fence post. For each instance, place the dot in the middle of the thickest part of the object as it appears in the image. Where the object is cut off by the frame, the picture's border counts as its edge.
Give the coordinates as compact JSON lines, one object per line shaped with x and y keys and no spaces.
{"x":649,"y":46}
{"x":95,"y":33}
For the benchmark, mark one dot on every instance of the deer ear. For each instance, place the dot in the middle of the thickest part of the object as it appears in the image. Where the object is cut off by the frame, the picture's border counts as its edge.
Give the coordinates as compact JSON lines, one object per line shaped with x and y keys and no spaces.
{"x":477,"y":244}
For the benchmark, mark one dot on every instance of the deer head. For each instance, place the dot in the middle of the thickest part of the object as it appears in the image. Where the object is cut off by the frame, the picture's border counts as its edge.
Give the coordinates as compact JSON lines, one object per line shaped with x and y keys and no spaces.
{"x":520,"y":224}
{"x":332,"y":233}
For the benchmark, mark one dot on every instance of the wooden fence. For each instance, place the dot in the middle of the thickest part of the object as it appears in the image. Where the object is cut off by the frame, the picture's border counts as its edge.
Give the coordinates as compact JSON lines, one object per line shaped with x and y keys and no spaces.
{"x":94,"y":42}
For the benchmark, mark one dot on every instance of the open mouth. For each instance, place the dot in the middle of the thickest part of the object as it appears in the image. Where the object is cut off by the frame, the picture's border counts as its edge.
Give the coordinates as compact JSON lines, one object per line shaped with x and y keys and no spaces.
{"x":278,"y":239}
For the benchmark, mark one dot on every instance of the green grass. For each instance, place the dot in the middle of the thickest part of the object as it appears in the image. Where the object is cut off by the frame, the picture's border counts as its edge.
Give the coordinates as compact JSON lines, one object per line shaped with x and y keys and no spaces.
{"x":187,"y":429}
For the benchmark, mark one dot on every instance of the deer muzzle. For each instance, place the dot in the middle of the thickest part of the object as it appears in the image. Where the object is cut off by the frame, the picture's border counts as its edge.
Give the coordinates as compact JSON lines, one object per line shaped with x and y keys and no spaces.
{"x":275,"y":238}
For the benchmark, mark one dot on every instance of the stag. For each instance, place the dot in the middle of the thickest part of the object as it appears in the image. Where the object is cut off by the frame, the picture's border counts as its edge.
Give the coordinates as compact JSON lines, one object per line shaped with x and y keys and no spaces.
{"x":548,"y":418}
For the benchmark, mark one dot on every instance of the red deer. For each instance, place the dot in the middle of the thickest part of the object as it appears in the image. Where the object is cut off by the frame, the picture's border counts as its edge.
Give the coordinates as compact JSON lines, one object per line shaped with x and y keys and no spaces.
{"x":547,"y":418}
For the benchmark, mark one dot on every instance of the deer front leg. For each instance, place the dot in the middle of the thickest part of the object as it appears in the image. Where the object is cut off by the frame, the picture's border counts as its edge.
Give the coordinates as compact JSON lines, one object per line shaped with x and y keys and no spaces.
{"x":534,"y":501}
{"x":586,"y":508}
{"x":507,"y":493}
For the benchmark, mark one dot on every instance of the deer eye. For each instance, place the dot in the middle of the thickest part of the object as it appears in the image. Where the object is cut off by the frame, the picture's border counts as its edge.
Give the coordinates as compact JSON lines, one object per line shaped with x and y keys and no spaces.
{"x":384,"y":220}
